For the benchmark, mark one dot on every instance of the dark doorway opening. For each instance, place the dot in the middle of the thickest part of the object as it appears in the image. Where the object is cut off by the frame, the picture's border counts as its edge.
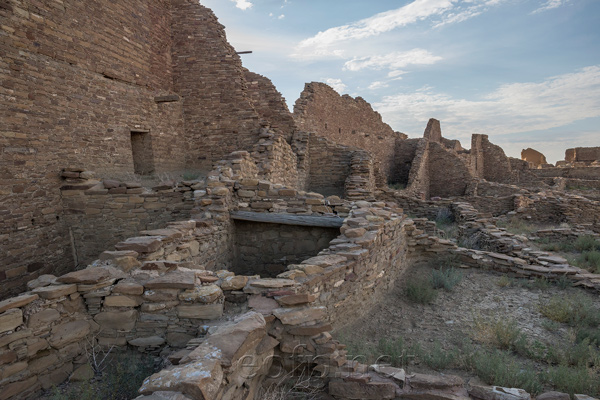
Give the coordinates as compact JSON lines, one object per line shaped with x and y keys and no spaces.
{"x":141,"y":147}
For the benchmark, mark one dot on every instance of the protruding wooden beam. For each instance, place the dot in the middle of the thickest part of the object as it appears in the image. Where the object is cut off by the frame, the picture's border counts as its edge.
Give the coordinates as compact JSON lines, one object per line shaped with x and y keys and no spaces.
{"x":244,"y":52}
{"x":288,"y":219}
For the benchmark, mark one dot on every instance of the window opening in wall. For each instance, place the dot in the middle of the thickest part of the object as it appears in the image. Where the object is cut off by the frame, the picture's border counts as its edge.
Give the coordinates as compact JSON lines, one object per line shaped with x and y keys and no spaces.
{"x":340,"y":130}
{"x":141,"y":147}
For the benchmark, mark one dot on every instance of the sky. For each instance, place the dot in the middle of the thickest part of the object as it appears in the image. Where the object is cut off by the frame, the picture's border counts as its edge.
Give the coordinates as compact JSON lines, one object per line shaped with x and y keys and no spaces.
{"x":524,"y":72}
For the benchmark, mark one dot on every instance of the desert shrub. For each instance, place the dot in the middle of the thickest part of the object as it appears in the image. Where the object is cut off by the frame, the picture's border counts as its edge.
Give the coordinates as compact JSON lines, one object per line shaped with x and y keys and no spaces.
{"x":190,"y":175}
{"x":393,"y":352}
{"x":550,"y":325}
{"x":589,"y":260}
{"x":516,"y":226}
{"x":445,"y":278}
{"x":504,"y":281}
{"x":557,"y":309}
{"x":499,"y":368}
{"x":578,"y":312}
{"x":437,"y":358}
{"x":420,"y":291}
{"x":540,"y":283}
{"x":574,"y":380}
{"x":586,"y":243}
{"x":563,"y":282}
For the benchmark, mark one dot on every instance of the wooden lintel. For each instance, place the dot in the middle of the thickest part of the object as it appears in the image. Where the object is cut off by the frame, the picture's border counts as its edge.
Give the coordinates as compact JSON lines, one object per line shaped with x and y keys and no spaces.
{"x":289,"y":219}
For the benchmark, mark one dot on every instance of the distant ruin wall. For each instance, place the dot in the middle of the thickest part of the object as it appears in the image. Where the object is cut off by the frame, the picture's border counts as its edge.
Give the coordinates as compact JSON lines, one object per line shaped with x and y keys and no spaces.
{"x":208,"y":74}
{"x":582,"y":154}
{"x":590,"y":173}
{"x":534,"y":157}
{"x":489,"y":160}
{"x":347,"y":121}
{"x":448,"y":175}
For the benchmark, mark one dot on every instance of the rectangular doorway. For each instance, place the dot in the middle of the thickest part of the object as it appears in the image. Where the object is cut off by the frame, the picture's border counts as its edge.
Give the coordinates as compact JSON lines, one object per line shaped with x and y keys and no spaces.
{"x":141,"y":147}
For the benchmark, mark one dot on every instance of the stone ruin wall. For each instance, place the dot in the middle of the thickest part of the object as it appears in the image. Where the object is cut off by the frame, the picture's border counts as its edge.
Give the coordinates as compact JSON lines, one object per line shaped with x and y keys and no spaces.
{"x":347,"y":121}
{"x":270,"y":104}
{"x":585,"y":155}
{"x":77,"y":77}
{"x":218,"y":114}
{"x":84,"y":80}
{"x":155,"y":289}
{"x":533,"y":157}
{"x":160,"y":290}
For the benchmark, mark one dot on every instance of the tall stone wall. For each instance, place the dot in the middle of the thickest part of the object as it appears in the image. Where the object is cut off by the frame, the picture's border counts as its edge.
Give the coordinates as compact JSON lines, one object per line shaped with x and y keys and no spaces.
{"x":208,"y":74}
{"x":489,"y":160}
{"x":405,"y":154}
{"x":348,"y":121}
{"x":448,"y":174}
{"x":77,"y":79}
{"x":270,"y":104}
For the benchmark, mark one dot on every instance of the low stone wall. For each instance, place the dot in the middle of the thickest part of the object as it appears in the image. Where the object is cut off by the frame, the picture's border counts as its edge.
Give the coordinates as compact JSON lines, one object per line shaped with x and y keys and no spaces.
{"x":329,"y":166}
{"x":103,"y":213}
{"x":277,"y":162}
{"x":557,"y":207}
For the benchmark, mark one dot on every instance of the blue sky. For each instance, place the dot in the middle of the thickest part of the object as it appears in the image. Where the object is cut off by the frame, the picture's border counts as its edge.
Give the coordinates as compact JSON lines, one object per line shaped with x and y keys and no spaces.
{"x":525,"y":72}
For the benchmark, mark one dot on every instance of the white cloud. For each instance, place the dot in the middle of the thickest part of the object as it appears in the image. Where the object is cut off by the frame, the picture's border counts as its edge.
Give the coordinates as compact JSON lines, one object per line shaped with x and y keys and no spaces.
{"x":336,"y":84}
{"x":550,"y":4}
{"x":321,"y":43}
{"x":393,"y":61}
{"x":282,"y":16}
{"x":512,"y":108}
{"x":378,"y":85}
{"x":443,"y":12}
{"x":242,"y":4}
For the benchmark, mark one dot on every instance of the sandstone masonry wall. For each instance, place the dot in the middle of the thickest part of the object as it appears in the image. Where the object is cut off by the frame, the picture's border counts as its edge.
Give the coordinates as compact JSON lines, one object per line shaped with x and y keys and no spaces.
{"x":208,"y":74}
{"x":270,"y":104}
{"x":448,"y":175}
{"x":489,"y":160}
{"x":329,"y":166}
{"x":77,"y":79}
{"x":347,"y":121}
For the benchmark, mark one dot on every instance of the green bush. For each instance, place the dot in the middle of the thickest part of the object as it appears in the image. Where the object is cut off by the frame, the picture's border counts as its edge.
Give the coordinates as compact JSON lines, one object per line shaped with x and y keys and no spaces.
{"x":589,"y":260}
{"x":393,"y":352}
{"x":574,"y":380}
{"x":499,"y":368}
{"x":586,"y":243}
{"x":445,"y":278}
{"x":420,"y":291}
{"x":437,"y":358}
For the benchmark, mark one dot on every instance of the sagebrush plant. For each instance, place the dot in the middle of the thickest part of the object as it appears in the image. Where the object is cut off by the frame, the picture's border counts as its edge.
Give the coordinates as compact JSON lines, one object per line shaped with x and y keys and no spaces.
{"x":438,"y":358}
{"x":589,"y":260}
{"x":574,"y":380}
{"x":586,"y":243}
{"x":516,"y":226}
{"x":420,"y":291}
{"x":445,"y":278}
{"x":500,"y":368}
